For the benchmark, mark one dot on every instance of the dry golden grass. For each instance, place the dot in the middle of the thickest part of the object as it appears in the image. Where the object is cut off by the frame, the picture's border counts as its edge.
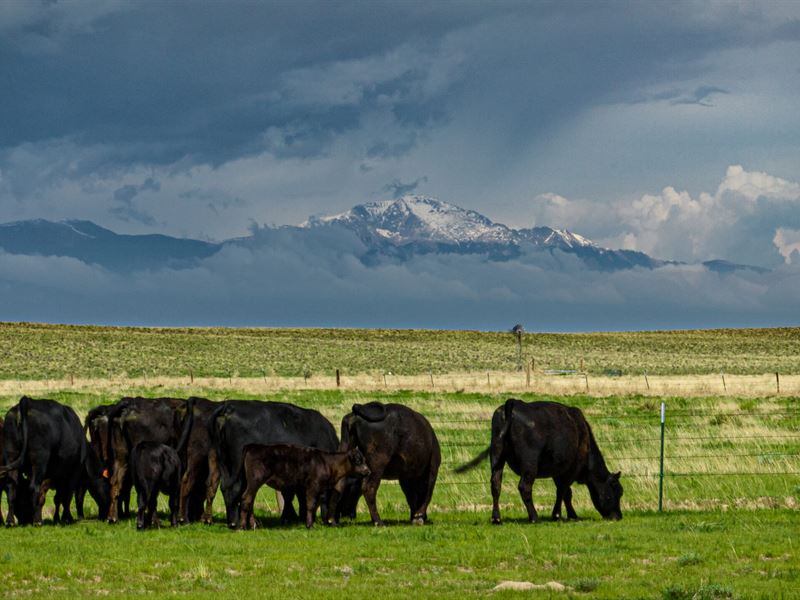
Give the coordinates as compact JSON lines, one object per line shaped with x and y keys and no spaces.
{"x":489,"y":382}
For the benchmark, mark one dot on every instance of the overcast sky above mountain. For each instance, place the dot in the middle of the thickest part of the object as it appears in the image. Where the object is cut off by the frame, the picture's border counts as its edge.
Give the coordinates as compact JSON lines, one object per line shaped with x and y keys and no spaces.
{"x":670,"y":128}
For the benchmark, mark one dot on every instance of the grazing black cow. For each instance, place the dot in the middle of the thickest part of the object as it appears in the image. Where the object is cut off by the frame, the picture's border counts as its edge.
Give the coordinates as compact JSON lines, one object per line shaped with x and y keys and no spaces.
{"x":236,"y":423}
{"x":96,"y":425}
{"x":134,"y":420}
{"x":548,"y":439}
{"x":155,"y":468}
{"x":282,"y":466}
{"x":45,"y":449}
{"x":397,"y":443}
{"x":201,"y":473}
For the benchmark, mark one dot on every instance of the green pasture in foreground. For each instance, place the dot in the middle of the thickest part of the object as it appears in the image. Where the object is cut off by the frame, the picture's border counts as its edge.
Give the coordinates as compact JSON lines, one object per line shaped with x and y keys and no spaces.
{"x":704,"y":555}
{"x":57,"y":351}
{"x":730,"y":529}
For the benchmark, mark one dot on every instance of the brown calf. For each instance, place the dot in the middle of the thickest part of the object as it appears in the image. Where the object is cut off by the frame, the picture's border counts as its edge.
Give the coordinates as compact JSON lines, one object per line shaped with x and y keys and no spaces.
{"x":282,"y":465}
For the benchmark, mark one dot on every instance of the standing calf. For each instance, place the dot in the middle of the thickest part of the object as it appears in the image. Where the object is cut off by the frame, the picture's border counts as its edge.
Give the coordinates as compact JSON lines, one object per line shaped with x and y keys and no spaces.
{"x":282,"y":465}
{"x":156,"y":468}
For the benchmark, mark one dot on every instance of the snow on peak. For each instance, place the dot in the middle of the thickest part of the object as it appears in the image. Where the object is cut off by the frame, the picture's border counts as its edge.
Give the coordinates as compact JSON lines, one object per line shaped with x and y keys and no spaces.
{"x":418,"y":218}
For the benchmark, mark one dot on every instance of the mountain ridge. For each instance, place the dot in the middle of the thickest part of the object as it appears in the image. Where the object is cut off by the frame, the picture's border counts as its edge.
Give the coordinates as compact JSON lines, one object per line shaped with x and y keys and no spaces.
{"x":391,"y":230}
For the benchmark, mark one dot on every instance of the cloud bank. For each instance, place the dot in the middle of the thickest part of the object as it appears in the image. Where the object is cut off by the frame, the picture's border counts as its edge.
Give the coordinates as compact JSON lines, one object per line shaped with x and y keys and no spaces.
{"x":283,"y":277}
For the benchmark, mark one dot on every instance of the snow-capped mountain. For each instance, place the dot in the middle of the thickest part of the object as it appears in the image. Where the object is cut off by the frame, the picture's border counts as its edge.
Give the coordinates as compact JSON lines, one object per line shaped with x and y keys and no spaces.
{"x":422,"y":225}
{"x":391,"y":230}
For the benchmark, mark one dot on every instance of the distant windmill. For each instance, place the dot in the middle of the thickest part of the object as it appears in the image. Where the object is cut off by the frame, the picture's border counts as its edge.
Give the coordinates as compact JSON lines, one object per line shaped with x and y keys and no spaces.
{"x":518,"y":330}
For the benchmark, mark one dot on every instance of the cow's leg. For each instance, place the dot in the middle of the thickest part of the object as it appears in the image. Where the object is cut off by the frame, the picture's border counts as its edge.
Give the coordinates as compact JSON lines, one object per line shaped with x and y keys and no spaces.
{"x":125,"y":498}
{"x":174,"y":500}
{"x":117,"y":483}
{"x":556,"y":514}
{"x":212,"y":483}
{"x":247,"y":516}
{"x":288,"y":514}
{"x":370,"y":491}
{"x":188,"y":482}
{"x":426,"y":493}
{"x":38,"y":494}
{"x":311,"y":495}
{"x":64,"y":499}
{"x":141,"y":502}
{"x":80,"y":494}
{"x":152,"y":509}
{"x":410,"y":489}
{"x":525,"y":489}
{"x":497,"y":486}
{"x":571,"y":514}
{"x":12,"y":481}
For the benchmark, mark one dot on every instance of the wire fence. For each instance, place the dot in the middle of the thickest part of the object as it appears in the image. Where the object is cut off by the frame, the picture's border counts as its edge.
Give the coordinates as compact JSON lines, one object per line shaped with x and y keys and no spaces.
{"x":761,"y":447}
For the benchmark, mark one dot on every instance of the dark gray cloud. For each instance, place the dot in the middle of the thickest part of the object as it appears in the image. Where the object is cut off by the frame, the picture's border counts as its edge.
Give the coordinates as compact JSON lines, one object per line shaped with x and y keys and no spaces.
{"x":398,"y":189}
{"x":124,"y":207}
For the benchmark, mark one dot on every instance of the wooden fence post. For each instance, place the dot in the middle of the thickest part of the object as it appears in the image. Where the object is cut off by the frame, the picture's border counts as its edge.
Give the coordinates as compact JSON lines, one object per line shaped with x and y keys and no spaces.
{"x":586,"y":377}
{"x":338,"y":381}
{"x":431,"y":374}
{"x":724,"y":387}
{"x":527,"y":375}
{"x":646,"y":381}
{"x":778,"y":382}
{"x":191,"y":376}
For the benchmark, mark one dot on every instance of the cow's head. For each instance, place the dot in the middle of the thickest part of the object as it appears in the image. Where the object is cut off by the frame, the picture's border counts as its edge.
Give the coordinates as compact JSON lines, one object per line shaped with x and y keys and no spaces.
{"x":606,"y":493}
{"x":360,"y":467}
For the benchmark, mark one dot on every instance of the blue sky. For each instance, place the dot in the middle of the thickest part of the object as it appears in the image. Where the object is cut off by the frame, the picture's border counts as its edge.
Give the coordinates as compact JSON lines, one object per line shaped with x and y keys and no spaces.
{"x":667,"y":127}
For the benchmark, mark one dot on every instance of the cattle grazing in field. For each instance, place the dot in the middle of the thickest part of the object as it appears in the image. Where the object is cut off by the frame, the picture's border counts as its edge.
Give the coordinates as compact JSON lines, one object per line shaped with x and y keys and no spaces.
{"x":236,"y":423}
{"x":548,"y":440}
{"x":282,"y":466}
{"x":201,"y":473}
{"x":397,"y":443}
{"x":45,"y":449}
{"x":135,"y":420}
{"x":155,"y":468}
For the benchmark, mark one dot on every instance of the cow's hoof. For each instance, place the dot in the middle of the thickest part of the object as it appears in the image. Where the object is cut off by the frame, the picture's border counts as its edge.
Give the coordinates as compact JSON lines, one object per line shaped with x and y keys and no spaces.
{"x":378,"y":523}
{"x":496,"y":521}
{"x":418,"y":521}
{"x":112,"y":521}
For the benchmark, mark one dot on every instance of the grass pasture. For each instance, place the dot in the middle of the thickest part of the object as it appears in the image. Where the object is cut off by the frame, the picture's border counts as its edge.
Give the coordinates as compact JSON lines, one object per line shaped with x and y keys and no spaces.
{"x":729,"y":530}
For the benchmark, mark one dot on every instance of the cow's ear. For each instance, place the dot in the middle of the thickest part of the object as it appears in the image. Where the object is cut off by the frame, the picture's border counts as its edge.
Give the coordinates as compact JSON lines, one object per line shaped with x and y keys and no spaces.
{"x":616,"y":475}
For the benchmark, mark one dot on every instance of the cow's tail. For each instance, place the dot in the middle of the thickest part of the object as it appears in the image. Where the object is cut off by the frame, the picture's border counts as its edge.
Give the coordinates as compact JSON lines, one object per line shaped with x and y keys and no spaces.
{"x":23,"y":424}
{"x":349,"y":436}
{"x":508,"y":409}
{"x":187,"y":426}
{"x":473,"y":463}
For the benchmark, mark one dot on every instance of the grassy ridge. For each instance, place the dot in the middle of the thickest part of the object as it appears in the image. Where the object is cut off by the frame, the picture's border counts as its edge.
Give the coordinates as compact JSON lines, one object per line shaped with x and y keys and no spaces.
{"x":29,"y":351}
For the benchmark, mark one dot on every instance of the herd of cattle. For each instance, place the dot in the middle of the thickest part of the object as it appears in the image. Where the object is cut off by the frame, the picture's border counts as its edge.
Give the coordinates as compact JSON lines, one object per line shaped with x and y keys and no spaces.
{"x":187,"y":448}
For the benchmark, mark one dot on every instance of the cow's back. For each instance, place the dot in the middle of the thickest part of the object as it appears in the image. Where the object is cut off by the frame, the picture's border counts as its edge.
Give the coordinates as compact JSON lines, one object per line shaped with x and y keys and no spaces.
{"x":552,"y":435}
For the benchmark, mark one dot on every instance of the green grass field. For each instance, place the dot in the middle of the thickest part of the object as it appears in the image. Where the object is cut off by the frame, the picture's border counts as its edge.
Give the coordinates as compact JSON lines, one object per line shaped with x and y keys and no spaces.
{"x":729,"y":530}
{"x":57,"y":351}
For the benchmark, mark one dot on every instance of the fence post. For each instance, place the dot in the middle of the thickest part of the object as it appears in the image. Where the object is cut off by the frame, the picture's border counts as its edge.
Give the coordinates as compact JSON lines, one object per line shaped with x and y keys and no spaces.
{"x":487,"y":378}
{"x":724,"y":387}
{"x":191,"y":376}
{"x":778,"y":382}
{"x":430,"y":372}
{"x":527,"y":375}
{"x":586,"y":377}
{"x":646,"y":381}
{"x":338,"y":381}
{"x":661,"y":464}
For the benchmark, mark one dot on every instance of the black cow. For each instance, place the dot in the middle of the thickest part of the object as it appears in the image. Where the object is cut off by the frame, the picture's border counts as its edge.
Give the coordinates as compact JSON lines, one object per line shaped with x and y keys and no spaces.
{"x":283,"y":466}
{"x":398,"y":443}
{"x":46,"y":449}
{"x":134,"y":420}
{"x":155,"y":468}
{"x":201,"y":473}
{"x":236,"y":423}
{"x":548,"y":439}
